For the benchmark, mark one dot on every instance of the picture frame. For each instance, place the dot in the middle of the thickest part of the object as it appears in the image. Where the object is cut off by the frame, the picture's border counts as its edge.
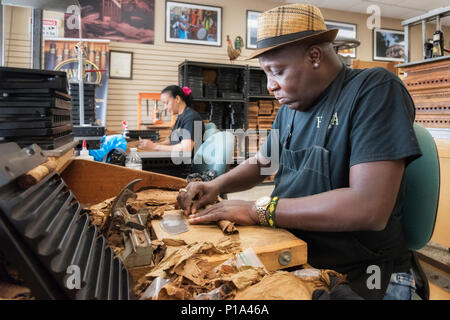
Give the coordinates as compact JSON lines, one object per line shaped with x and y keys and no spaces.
{"x":388,"y":45}
{"x":122,"y":21}
{"x":252,"y":28}
{"x":120,"y":65}
{"x":191,"y":23}
{"x":346,"y":30}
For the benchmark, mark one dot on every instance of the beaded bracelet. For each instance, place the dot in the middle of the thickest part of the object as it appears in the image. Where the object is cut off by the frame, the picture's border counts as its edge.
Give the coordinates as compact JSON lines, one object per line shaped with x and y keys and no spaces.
{"x":271,"y":211}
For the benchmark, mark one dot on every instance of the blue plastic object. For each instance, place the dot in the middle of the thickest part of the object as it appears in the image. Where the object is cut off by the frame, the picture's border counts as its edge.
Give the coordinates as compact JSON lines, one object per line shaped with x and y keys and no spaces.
{"x":109,"y":143}
{"x":422,"y":192}
{"x":210,"y":129}
{"x":215,"y":153}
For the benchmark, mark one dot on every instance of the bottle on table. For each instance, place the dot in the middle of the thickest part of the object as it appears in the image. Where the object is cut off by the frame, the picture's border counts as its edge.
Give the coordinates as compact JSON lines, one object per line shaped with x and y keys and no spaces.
{"x":84,"y":153}
{"x":125,"y":129}
{"x":133,"y":160}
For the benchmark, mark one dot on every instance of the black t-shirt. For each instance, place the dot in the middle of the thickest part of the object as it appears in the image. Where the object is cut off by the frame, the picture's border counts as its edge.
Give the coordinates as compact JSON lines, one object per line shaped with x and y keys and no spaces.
{"x":189,"y":125}
{"x":373,"y":122}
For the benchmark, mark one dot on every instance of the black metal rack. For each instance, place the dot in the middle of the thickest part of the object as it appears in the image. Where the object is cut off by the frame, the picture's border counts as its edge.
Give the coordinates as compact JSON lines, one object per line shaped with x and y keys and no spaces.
{"x":45,"y":235}
{"x":35,"y":107}
{"x":245,"y":71}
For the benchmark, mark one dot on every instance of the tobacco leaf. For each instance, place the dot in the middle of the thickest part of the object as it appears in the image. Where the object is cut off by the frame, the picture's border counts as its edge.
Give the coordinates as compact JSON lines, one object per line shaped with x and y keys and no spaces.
{"x":227,"y":227}
{"x":156,"y":212}
{"x":194,"y":269}
{"x":174,"y":242}
{"x":277,"y":286}
{"x":246,"y":277}
{"x":171,"y":292}
{"x":159,"y":250}
{"x":176,"y":259}
{"x":154,"y":197}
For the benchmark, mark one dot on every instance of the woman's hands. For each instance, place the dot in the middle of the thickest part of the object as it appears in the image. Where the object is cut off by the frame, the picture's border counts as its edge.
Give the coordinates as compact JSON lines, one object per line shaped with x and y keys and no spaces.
{"x":146,"y":144}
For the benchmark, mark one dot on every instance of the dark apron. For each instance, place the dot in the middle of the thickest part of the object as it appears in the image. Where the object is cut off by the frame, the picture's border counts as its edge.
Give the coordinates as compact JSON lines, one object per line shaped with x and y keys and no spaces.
{"x":306,"y":172}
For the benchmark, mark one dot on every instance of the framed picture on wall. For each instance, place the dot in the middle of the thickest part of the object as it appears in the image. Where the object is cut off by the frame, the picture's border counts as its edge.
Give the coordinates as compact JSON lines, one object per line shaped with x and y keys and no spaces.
{"x":346,"y":30}
{"x":124,"y":21}
{"x":388,"y":45}
{"x":121,"y":65}
{"x":193,"y":24}
{"x":252,"y":28}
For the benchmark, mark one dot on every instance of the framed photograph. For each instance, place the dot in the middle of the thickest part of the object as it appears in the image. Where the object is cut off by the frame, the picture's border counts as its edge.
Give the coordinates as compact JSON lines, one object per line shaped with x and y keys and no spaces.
{"x":120,"y":65}
{"x":346,"y":30}
{"x":115,"y":20}
{"x":252,"y":28}
{"x":388,"y":45}
{"x":193,"y":24}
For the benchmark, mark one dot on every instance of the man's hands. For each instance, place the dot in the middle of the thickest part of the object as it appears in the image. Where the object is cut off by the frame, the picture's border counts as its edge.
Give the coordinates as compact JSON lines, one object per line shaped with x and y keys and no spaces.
{"x":197,"y":195}
{"x":241,"y":212}
{"x":200,"y":194}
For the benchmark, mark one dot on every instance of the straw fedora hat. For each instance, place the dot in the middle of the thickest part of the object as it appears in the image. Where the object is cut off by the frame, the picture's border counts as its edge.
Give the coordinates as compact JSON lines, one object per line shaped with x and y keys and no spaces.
{"x":291,"y":23}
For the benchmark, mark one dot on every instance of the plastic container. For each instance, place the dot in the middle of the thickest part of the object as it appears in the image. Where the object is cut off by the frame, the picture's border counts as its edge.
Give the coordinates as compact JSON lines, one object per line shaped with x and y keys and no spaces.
{"x":133,"y":160}
{"x":84,"y":153}
{"x":125,"y":129}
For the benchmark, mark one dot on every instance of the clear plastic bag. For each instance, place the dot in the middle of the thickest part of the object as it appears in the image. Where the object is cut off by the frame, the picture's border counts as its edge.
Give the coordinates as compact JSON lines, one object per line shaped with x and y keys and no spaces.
{"x":246,"y":258}
{"x":309,"y":272}
{"x":153,"y":290}
{"x":212,"y":295}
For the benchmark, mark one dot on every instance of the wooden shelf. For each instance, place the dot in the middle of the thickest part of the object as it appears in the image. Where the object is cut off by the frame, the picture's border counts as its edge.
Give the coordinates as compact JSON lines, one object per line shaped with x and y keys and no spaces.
{"x":261,"y":96}
{"x":218,"y":100}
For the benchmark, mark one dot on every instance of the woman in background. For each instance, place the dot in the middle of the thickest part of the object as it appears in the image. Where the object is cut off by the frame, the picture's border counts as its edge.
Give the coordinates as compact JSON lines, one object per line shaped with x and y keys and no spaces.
{"x":178,"y":101}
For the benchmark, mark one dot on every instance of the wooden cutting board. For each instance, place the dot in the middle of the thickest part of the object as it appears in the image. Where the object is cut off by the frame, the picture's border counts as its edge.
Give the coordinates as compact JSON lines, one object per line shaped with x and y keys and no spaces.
{"x":267,"y":243}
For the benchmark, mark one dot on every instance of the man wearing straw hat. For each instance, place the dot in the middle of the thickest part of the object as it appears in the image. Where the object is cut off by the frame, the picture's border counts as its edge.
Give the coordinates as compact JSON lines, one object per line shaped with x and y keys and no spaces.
{"x":343,"y":138}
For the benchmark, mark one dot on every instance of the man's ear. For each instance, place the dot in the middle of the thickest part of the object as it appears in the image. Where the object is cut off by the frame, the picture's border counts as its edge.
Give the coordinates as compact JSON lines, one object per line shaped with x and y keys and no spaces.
{"x":314,"y":54}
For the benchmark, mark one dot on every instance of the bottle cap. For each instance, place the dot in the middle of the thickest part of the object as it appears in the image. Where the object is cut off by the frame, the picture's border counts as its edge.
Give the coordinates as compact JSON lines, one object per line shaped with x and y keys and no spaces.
{"x":84,"y":144}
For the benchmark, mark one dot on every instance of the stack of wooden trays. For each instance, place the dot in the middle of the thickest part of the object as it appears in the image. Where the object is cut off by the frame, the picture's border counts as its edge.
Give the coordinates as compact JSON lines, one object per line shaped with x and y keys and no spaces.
{"x":261,"y":140}
{"x":35,"y":108}
{"x":253,"y":111}
{"x":265,"y":122}
{"x":276,"y":107}
{"x":265,"y":107}
{"x":252,"y":143}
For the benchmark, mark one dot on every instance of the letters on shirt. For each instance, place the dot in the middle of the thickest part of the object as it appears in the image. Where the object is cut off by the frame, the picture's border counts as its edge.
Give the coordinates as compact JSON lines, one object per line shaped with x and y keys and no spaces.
{"x":334,"y":121}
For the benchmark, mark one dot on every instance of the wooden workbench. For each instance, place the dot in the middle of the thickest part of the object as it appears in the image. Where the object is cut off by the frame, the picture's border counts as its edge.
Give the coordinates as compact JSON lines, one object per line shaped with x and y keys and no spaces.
{"x":93,"y":182}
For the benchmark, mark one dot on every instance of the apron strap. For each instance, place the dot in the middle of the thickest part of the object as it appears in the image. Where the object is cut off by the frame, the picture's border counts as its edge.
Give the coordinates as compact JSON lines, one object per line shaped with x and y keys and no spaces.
{"x":290,"y":127}
{"x":331,"y":104}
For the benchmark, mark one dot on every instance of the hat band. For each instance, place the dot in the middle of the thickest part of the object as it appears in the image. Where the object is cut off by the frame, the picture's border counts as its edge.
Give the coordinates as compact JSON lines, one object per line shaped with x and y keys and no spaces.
{"x":273,"y":41}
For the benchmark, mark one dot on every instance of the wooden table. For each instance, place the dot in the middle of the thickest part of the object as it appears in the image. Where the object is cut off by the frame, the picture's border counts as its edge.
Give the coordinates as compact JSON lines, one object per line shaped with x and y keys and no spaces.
{"x":268,"y":243}
{"x":93,"y":182}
